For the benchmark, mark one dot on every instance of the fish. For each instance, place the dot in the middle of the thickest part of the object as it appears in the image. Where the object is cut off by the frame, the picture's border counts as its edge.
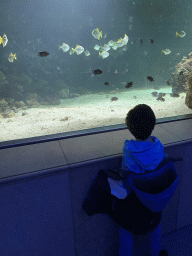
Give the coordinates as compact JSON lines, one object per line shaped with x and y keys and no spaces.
{"x":12,"y":57}
{"x":114,"y":47}
{"x":106,"y":83}
{"x":155,"y":94}
{"x":87,"y":53}
{"x":116,"y":72}
{"x":64,"y":47}
{"x":151,"y":40}
{"x":167,"y":51}
{"x":120,"y":43}
{"x":43,"y":54}
{"x":125,"y":39}
{"x":150,"y":78}
{"x":104,"y":54}
{"x":159,"y":98}
{"x":181,"y":72}
{"x":106,"y":47}
{"x":162,"y":99}
{"x":114,"y":99}
{"x":1,"y":40}
{"x":4,"y":40}
{"x":181,"y":34}
{"x":141,"y":40}
{"x":97,"y":71}
{"x":97,"y":34}
{"x":97,"y":47}
{"x":174,"y":95}
{"x":70,"y":52}
{"x":78,"y":49}
{"x":167,"y":82}
{"x":111,"y":43}
{"x":129,"y":85}
{"x":161,"y":94}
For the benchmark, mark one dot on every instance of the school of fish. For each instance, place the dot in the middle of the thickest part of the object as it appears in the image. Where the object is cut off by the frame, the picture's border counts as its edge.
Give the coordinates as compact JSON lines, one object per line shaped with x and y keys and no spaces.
{"x":103,"y":53}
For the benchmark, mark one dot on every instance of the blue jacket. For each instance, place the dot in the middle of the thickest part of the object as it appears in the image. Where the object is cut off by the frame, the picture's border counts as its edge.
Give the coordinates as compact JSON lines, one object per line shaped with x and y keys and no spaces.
{"x":149,"y":181}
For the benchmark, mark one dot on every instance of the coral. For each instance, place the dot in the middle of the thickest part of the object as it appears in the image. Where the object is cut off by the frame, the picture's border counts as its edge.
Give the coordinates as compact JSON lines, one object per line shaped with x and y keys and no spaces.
{"x":32,"y":100}
{"x":61,"y":84}
{"x":20,"y":104}
{"x":3,"y":105}
{"x":188,"y":98}
{"x":64,"y":93}
{"x":180,"y":76}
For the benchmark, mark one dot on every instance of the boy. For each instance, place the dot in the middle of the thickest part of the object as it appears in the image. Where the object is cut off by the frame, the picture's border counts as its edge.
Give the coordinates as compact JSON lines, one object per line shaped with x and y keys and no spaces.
{"x":139,"y":155}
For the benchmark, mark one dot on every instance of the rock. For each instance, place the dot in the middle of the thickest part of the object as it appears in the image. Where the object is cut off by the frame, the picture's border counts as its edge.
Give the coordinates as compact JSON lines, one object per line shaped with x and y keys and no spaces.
{"x":24,"y":113}
{"x":179,"y":79}
{"x":19,"y":104}
{"x":3,"y":104}
{"x":32,"y":100}
{"x":8,"y":114}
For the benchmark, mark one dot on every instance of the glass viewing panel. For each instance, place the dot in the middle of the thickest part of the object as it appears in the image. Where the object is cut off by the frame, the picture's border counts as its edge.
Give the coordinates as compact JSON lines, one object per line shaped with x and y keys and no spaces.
{"x":69,"y":65}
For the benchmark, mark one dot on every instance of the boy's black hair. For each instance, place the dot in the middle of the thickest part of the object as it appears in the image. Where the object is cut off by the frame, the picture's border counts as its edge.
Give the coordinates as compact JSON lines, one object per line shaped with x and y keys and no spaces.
{"x":141,"y":121}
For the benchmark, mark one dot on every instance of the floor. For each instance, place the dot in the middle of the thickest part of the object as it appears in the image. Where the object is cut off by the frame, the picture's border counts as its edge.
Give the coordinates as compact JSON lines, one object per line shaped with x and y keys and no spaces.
{"x":178,"y":243}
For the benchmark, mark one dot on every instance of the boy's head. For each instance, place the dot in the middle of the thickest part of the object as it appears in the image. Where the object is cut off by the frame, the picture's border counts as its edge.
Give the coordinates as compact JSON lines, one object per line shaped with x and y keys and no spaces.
{"x":140,"y":121}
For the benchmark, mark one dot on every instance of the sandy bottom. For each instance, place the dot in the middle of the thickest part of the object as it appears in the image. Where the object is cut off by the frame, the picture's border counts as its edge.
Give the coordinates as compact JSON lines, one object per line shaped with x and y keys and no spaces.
{"x":89,"y":111}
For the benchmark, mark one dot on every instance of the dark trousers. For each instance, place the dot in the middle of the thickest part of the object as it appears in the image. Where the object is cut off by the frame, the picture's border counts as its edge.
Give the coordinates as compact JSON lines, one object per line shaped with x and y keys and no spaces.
{"x":127,"y":239}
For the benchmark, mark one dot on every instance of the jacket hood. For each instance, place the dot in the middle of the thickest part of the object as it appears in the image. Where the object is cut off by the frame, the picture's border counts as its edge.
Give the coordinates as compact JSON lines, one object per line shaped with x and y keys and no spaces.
{"x":140,"y":156}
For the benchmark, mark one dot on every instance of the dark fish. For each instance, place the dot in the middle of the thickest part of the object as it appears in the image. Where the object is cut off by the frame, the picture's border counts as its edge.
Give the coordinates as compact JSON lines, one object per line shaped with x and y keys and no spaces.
{"x":154,"y":94}
{"x":162,"y":99}
{"x":106,"y":83}
{"x":167,"y":82}
{"x":114,"y":99}
{"x":150,"y":78}
{"x":161,"y":94}
{"x":159,"y":98}
{"x":174,"y":95}
{"x":141,"y":40}
{"x":43,"y":54}
{"x":151,"y":40}
{"x":97,"y":71}
{"x":181,"y":72}
{"x":156,"y":88}
{"x":129,"y":85}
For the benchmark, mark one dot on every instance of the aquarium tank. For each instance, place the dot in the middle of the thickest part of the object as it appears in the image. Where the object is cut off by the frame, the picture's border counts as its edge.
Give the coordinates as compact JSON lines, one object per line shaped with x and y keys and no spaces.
{"x":69,"y":65}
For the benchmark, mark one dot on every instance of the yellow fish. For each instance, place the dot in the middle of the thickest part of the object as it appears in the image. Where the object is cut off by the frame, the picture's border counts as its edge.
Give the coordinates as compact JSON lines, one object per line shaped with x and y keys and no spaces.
{"x":167,"y":51}
{"x":12,"y":57}
{"x":97,"y":34}
{"x":1,"y":40}
{"x":4,"y":40}
{"x":181,"y":34}
{"x":104,"y":54}
{"x":64,"y":47}
{"x":78,"y":49}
